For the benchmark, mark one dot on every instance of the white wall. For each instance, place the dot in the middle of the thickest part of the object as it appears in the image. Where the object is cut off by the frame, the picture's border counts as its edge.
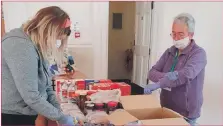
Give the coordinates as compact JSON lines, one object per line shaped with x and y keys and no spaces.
{"x":208,"y":34}
{"x":93,"y":22}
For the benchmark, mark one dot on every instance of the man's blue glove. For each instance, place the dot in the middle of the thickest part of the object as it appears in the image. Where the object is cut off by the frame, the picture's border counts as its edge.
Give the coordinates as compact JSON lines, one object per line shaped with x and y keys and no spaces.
{"x":151,"y":87}
{"x":172,"y":75}
{"x":66,"y":120}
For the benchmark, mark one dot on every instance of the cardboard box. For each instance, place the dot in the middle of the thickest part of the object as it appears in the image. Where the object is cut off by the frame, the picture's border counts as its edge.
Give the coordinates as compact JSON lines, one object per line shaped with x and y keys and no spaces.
{"x":145,"y":109}
{"x":166,"y":121}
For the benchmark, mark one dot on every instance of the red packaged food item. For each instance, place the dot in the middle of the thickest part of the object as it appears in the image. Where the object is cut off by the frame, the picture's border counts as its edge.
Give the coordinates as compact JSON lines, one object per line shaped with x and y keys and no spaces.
{"x":94,"y":87}
{"x":108,"y":86}
{"x":75,"y":95}
{"x":112,"y":104}
{"x":115,"y":86}
{"x":80,"y":84}
{"x":58,"y":86}
{"x":104,"y":86}
{"x":59,"y":83}
{"x":111,"y":107}
{"x":125,"y":89}
{"x":100,"y":86}
{"x":105,"y":81}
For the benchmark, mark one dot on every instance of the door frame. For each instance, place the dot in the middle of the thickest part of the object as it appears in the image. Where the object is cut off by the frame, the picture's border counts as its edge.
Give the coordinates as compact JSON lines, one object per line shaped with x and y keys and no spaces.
{"x":104,"y":44}
{"x":100,"y":47}
{"x":143,"y":24}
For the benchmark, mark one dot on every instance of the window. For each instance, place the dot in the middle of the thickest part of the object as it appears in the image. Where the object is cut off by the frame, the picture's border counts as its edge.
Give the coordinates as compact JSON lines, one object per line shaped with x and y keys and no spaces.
{"x":117,"y":21}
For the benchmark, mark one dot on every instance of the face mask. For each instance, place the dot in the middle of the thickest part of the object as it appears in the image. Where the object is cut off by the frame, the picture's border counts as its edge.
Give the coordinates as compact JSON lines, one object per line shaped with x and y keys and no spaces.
{"x":181,"y":44}
{"x":58,"y":43}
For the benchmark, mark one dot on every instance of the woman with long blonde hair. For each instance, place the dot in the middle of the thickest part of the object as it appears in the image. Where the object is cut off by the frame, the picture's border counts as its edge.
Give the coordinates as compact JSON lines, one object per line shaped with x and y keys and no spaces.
{"x":26,"y":83}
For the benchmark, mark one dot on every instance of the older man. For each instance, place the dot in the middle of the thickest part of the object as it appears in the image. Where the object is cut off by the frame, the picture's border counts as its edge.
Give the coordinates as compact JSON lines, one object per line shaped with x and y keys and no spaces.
{"x":180,"y":71}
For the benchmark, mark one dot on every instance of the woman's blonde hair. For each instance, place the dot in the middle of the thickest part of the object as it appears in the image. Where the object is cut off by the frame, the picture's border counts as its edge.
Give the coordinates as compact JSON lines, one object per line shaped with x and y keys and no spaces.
{"x":45,"y":28}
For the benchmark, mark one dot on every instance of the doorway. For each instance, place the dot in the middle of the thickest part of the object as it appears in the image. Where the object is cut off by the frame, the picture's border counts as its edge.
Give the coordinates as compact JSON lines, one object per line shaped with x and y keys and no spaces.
{"x":128,"y":41}
{"x":120,"y":39}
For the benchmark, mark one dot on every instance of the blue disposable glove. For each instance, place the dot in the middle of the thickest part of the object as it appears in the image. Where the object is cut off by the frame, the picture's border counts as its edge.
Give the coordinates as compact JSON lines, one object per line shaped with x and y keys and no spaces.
{"x":151,"y":87}
{"x":172,"y":75}
{"x":66,"y":120}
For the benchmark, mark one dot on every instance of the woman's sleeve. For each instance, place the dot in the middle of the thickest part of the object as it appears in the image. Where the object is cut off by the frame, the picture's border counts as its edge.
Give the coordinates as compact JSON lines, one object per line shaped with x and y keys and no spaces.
{"x":22,"y":60}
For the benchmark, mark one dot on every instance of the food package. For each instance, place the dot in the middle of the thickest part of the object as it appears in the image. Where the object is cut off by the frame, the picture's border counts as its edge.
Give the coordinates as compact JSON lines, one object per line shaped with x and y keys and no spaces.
{"x":80,"y":83}
{"x":105,"y":81}
{"x":58,"y":83}
{"x":105,"y":96}
{"x":125,"y":89}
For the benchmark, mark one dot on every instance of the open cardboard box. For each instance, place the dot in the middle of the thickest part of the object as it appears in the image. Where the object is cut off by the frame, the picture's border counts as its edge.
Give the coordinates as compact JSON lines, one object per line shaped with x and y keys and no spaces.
{"x":145,"y":109}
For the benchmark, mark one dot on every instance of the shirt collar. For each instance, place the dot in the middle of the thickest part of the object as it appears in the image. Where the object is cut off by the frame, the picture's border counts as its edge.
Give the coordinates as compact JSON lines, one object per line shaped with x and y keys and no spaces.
{"x":173,"y":49}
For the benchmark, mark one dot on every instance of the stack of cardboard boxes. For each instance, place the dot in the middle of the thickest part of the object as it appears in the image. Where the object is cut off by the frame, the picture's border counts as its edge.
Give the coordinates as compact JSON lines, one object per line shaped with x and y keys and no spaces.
{"x":144,"y":110}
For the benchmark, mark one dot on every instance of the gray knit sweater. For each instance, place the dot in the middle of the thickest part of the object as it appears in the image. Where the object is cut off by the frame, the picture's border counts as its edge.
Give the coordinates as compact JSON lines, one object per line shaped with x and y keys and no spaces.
{"x":26,"y":82}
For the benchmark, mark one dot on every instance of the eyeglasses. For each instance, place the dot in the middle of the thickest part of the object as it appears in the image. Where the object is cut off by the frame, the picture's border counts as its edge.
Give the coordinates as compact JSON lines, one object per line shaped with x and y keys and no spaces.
{"x":177,"y":35}
{"x":67,"y":31}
